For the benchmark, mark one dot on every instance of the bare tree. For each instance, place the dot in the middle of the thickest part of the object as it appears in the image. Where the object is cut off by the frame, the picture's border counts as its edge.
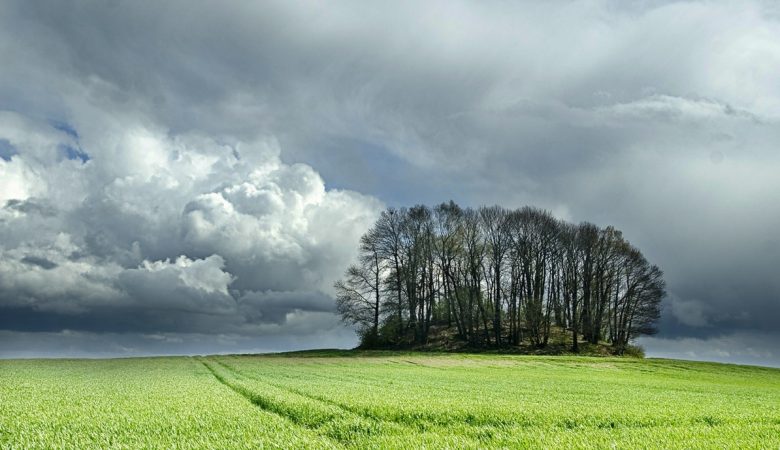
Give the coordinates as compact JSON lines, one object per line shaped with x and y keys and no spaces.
{"x":388,"y":243}
{"x":497,"y":239}
{"x":357,"y":302}
{"x":486,"y":270}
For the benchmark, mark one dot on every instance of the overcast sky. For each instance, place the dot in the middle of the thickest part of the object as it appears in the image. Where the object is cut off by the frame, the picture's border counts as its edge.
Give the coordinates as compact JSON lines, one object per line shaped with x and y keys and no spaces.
{"x":191,"y":177}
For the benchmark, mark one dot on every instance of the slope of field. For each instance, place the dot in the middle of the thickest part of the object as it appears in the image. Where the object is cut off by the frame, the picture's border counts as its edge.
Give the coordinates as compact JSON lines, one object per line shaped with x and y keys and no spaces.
{"x":387,"y":400}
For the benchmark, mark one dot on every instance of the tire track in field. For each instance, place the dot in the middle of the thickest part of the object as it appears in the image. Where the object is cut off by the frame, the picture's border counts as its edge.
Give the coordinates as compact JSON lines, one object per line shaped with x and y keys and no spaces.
{"x":477,"y":426}
{"x":345,"y":408}
{"x":262,"y":402}
{"x":341,"y":426}
{"x":434,"y":424}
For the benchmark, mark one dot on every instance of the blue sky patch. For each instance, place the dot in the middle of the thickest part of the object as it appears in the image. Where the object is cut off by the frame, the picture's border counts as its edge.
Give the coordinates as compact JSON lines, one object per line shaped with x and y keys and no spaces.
{"x":73,"y":153}
{"x":65,"y":128}
{"x":7,"y":150}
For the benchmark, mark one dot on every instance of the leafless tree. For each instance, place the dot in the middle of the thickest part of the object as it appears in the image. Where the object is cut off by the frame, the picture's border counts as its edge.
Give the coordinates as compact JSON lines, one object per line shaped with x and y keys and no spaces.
{"x":498,"y":277}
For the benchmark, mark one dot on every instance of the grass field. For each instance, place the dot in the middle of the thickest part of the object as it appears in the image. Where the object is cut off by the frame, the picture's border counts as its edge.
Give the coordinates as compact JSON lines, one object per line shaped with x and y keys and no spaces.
{"x":386,"y":400}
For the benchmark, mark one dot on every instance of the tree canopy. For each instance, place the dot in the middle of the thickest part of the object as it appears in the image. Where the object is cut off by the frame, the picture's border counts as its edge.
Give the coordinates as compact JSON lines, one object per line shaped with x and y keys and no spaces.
{"x":498,"y":277}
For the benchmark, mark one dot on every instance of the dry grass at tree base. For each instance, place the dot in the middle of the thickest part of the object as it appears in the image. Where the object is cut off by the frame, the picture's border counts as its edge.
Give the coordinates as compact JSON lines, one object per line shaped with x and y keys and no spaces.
{"x":445,"y":339}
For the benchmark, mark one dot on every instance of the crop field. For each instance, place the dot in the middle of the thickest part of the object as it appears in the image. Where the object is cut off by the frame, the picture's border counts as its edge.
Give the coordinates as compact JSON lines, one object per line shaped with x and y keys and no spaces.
{"x":386,"y":400}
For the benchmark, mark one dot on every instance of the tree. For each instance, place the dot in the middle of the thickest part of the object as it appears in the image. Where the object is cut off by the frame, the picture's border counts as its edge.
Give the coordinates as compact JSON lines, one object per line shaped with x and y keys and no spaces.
{"x":448,"y":248}
{"x":498,"y":277}
{"x":358,"y":304}
{"x":587,"y":242}
{"x":638,"y":308}
{"x":571,"y":263}
{"x":494,"y":228}
{"x":387,"y":232}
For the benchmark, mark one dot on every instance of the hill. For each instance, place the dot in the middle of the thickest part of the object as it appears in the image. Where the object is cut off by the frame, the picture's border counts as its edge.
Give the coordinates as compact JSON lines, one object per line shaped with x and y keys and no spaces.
{"x":445,"y":339}
{"x":387,"y":399}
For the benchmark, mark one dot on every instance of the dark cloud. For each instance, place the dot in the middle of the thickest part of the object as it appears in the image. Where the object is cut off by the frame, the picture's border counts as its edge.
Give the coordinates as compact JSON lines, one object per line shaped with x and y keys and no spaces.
{"x":137,"y":135}
{"x":31,"y":206}
{"x":40,"y":262}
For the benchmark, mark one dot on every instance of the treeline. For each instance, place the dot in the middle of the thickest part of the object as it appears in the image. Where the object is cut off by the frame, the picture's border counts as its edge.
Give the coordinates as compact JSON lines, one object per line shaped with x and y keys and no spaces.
{"x":498,"y":277}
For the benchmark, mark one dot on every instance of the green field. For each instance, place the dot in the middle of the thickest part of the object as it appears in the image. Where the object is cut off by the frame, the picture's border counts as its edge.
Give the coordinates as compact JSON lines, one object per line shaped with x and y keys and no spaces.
{"x":386,"y":400}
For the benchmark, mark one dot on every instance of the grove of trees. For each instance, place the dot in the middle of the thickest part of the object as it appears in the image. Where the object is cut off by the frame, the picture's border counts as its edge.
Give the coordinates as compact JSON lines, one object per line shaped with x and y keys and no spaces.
{"x":498,"y":278}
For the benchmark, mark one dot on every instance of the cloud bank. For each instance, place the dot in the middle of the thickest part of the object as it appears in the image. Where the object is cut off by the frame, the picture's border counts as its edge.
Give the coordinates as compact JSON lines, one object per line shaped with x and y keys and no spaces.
{"x":145,"y":146}
{"x":159,"y":233}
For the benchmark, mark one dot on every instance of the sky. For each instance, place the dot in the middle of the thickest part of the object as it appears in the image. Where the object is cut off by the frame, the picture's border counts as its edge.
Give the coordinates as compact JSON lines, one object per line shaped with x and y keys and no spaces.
{"x":191,"y":177}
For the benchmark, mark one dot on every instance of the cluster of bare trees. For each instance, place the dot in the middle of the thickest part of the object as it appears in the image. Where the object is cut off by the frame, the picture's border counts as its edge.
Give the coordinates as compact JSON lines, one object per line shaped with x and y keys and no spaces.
{"x":498,"y":277}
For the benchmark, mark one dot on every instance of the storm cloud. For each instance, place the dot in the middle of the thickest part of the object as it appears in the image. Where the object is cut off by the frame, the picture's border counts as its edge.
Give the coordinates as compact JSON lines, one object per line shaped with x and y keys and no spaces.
{"x":198,"y":171}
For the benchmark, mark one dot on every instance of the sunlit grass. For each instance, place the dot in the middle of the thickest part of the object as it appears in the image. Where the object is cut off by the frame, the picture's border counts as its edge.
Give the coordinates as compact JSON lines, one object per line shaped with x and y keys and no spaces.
{"x":388,"y":400}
